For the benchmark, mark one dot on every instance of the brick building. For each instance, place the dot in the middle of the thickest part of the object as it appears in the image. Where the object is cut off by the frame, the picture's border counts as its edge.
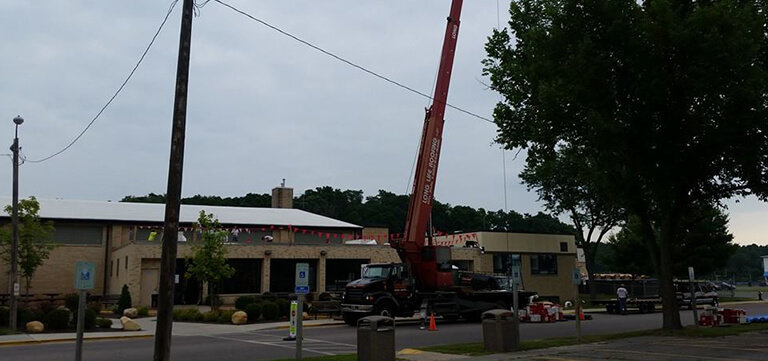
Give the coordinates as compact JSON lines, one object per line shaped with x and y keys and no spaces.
{"x":124,"y":241}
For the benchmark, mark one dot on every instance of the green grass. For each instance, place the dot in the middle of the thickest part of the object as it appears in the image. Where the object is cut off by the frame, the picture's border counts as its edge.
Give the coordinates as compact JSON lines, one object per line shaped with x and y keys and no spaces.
{"x":736,"y":299}
{"x":754,"y":289}
{"x":5,"y":331}
{"x":476,"y":349}
{"x":350,"y":357}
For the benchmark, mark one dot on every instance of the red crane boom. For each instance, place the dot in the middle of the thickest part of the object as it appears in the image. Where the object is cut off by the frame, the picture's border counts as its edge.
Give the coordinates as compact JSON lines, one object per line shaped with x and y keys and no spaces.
{"x":431,"y":263}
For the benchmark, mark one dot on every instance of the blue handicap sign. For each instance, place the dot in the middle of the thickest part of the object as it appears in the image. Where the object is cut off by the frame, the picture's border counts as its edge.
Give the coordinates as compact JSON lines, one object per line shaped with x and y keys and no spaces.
{"x":302,"y":274}
{"x":302,"y":290}
{"x":84,"y":275}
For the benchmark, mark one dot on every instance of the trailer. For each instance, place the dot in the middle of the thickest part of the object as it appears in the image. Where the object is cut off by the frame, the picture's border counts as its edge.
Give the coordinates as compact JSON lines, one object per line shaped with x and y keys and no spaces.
{"x":644,"y":294}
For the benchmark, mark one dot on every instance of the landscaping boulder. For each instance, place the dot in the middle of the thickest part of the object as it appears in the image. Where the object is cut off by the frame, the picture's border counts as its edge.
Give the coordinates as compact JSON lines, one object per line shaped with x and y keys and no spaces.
{"x":35,"y":327}
{"x":131,"y":312}
{"x":239,"y":318}
{"x":129,"y":324}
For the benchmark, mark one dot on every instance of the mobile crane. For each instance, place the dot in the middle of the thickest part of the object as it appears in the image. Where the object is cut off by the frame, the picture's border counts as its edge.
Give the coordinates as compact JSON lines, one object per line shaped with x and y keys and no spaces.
{"x":425,"y":278}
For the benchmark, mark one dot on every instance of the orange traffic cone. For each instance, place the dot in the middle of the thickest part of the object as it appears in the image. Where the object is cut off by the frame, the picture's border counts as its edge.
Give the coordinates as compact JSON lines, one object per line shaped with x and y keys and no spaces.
{"x":432,"y":325}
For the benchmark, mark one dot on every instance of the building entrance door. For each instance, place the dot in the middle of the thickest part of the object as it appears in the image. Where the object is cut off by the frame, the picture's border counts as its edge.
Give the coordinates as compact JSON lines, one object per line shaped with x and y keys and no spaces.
{"x":149,"y":283}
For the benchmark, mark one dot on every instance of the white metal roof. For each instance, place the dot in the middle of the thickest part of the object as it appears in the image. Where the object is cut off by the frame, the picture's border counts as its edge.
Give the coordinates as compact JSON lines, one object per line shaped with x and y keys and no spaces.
{"x":149,"y":212}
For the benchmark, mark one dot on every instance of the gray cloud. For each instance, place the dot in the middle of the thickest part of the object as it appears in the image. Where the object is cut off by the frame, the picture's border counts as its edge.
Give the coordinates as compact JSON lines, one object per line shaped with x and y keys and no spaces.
{"x":261,"y":107}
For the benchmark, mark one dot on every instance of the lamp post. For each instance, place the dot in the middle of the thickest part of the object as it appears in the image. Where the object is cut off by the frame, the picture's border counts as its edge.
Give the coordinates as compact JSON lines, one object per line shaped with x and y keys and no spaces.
{"x":14,"y":278}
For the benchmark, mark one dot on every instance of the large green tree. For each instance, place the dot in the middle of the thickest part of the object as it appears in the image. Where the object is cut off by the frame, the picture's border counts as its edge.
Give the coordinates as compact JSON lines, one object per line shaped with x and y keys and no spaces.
{"x":209,"y":256}
{"x":34,"y":240}
{"x":746,"y":264}
{"x":705,"y":244}
{"x":668,"y":99}
{"x":566,"y":185}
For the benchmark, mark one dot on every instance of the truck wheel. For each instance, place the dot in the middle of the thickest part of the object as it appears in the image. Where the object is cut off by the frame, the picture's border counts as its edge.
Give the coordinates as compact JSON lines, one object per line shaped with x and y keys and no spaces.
{"x":385,"y":308}
{"x":350,"y":318}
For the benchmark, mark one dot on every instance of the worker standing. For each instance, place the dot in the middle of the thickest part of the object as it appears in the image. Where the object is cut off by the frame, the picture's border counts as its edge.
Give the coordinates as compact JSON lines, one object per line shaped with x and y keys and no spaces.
{"x":621,"y":294}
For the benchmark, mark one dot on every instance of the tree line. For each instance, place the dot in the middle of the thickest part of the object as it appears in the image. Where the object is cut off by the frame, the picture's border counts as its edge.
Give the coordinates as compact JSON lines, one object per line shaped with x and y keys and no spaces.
{"x":386,"y":209}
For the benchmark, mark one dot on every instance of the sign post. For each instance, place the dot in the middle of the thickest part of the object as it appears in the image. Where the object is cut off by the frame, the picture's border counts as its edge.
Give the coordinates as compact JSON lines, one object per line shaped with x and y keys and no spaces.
{"x":302,"y":288}
{"x":84,"y":275}
{"x":516,"y":281}
{"x":693,"y":296}
{"x":576,"y":281}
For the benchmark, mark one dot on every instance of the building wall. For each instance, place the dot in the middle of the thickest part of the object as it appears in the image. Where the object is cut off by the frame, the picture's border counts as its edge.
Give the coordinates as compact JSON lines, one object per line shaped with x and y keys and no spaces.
{"x":57,"y":274}
{"x":147,"y":257}
{"x":559,"y":285}
{"x":525,"y":242}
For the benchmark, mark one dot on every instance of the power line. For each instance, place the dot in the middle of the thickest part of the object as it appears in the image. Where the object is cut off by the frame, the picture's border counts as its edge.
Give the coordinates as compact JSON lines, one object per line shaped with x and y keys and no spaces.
{"x":348,"y":62}
{"x":141,"y":59}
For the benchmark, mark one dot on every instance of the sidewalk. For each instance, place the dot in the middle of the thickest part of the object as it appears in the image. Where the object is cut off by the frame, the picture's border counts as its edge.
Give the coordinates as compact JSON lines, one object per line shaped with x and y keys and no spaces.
{"x":148,"y":325}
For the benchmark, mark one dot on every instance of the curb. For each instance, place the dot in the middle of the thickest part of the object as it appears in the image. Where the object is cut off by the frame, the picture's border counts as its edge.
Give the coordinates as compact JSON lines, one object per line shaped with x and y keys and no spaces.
{"x":64,"y":339}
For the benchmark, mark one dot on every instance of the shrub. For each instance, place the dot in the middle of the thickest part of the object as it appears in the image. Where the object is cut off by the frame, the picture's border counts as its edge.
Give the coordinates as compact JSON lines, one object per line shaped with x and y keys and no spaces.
{"x":325,"y":296}
{"x":285,"y":307}
{"x":70,"y":301}
{"x":46,"y":306}
{"x":243,"y":301}
{"x":104,"y":322}
{"x":89,"y":320}
{"x":187,"y":314}
{"x":225,"y":316}
{"x":5,"y":314}
{"x":270,"y":311}
{"x":24,"y":315}
{"x":124,"y":301}
{"x":116,"y":310}
{"x":143,"y":311}
{"x":254,"y":312}
{"x":266,"y":296}
{"x":94,"y":306}
{"x":57,"y":319}
{"x":211,"y":316}
{"x":212,"y":300}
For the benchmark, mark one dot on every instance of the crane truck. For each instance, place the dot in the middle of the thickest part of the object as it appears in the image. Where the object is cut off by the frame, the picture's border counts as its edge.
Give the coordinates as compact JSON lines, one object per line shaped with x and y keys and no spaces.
{"x":425,"y":279}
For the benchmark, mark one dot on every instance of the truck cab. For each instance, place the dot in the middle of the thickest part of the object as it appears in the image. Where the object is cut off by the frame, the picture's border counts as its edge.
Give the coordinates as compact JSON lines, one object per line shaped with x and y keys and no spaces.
{"x":385,"y":289}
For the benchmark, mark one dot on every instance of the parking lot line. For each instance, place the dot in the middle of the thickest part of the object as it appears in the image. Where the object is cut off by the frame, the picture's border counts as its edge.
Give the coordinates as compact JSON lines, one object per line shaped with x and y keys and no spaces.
{"x":272,"y":344}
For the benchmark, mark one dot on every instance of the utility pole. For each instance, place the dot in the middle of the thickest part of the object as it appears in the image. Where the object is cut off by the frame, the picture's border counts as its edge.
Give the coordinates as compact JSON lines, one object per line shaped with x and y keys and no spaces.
{"x":14,"y":276}
{"x":173,"y":194}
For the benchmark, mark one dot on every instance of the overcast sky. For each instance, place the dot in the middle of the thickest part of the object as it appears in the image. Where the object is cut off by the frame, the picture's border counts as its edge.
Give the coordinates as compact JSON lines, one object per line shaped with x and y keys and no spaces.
{"x":262,"y":107}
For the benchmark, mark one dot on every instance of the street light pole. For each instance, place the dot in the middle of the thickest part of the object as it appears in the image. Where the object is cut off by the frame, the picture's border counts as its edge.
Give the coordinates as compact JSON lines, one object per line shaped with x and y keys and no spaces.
{"x":14,"y":278}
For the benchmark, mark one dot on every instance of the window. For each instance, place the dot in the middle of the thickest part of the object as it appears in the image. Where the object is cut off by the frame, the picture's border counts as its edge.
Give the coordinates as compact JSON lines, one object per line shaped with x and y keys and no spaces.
{"x":443,"y":258}
{"x":563,"y":246}
{"x":504,"y":262}
{"x":85,"y":235}
{"x":126,"y":262}
{"x":544,"y":264}
{"x":111,"y":267}
{"x":117,"y":272}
